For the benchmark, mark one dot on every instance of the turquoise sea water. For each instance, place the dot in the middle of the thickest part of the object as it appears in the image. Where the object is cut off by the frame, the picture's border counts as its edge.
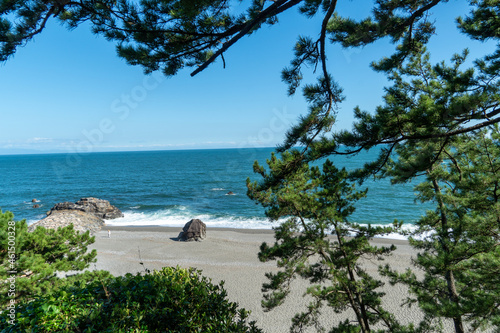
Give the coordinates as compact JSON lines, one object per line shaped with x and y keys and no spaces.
{"x":171,"y":187}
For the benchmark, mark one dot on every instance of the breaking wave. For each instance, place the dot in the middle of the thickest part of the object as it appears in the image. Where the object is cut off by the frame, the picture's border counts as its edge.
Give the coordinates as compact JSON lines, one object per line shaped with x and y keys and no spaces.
{"x":180,"y":215}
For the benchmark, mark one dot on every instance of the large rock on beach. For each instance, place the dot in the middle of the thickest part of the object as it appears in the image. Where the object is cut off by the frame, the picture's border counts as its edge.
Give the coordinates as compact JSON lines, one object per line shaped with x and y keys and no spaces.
{"x":194,"y":230}
{"x":85,"y":214}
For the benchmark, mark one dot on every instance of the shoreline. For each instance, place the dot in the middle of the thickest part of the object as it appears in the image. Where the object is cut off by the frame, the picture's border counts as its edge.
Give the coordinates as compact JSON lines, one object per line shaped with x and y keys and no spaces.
{"x":159,"y":228}
{"x":167,"y":229}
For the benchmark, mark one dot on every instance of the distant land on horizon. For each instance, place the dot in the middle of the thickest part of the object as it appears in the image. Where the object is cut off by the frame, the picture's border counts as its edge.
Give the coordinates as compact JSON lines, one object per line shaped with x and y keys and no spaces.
{"x":7,"y":152}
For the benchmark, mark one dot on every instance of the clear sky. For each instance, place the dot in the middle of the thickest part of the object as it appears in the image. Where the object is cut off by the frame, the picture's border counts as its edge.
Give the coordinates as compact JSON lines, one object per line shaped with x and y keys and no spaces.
{"x":67,"y":91}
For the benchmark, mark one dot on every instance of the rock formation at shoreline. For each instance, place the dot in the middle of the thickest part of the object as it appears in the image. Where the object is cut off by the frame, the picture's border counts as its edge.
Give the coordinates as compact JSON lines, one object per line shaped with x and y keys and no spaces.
{"x":97,"y":207}
{"x":85,"y":214}
{"x":194,"y":230}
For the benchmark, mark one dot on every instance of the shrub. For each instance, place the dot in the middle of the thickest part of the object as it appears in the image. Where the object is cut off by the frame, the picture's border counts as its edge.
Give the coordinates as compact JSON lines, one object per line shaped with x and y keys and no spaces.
{"x":32,"y":259}
{"x":169,"y":300}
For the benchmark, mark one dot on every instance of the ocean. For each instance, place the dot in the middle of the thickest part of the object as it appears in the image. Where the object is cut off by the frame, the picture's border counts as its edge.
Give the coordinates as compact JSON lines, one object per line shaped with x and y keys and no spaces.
{"x":168,"y":188}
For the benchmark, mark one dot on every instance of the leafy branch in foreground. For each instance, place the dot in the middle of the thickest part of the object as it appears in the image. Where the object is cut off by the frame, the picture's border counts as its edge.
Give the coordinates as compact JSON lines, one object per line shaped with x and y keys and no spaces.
{"x":427,"y":103}
{"x":317,"y":243}
{"x":458,"y":242}
{"x":468,"y":101}
{"x":166,"y":35}
{"x":169,"y":35}
{"x":172,"y":34}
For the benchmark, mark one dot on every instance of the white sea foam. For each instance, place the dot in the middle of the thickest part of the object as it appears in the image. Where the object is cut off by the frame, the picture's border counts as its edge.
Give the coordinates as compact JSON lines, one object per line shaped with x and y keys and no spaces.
{"x":394,"y":235}
{"x":169,"y":218}
{"x":179,"y":216}
{"x":218,"y":189}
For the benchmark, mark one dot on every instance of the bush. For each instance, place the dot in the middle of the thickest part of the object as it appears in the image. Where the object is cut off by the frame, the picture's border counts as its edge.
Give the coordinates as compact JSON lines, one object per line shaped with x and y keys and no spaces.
{"x":169,"y":300}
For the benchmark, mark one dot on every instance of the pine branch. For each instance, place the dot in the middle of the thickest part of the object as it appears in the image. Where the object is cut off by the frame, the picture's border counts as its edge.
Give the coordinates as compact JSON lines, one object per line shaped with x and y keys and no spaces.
{"x":440,"y":135}
{"x":409,"y":21}
{"x":42,"y":25}
{"x":276,"y":8}
{"x":331,"y":96}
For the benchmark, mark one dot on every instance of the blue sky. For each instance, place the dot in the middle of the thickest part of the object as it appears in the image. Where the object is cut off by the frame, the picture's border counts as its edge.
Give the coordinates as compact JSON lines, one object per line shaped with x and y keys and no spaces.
{"x":67,"y":91}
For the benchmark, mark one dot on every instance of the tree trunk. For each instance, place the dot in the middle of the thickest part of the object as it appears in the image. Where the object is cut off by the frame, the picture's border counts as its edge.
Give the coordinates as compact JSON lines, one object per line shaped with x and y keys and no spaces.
{"x":450,"y":279}
{"x":354,"y":297}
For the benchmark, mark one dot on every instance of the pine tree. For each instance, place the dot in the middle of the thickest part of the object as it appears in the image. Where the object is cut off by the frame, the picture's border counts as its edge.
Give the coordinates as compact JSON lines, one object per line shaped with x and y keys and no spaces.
{"x":458,"y":242}
{"x":31,"y":259}
{"x":318,"y":243}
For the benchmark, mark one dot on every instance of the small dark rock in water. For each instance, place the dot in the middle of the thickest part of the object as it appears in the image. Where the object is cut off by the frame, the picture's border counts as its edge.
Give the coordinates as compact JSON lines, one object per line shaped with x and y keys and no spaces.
{"x":194,"y":230}
{"x":230,"y":193}
{"x":36,"y":206}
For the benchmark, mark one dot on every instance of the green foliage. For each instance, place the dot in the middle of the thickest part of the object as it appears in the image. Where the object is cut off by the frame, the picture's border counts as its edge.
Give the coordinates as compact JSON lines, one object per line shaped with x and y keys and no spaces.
{"x":317,"y":243}
{"x":469,"y":94}
{"x":169,"y":35}
{"x":33,"y":258}
{"x":164,"y":35}
{"x":460,"y":240}
{"x":169,"y":300}
{"x":426,"y":103}
{"x":427,"y":111}
{"x":483,"y":23}
{"x":425,"y":120}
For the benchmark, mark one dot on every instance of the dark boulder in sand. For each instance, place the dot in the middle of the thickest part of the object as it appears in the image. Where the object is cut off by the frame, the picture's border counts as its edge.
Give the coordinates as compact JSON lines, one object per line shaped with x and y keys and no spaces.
{"x":194,"y":230}
{"x":85,"y":214}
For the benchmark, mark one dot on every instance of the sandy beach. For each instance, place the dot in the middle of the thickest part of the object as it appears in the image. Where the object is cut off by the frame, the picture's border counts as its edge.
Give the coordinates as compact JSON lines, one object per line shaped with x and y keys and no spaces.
{"x":230,"y":255}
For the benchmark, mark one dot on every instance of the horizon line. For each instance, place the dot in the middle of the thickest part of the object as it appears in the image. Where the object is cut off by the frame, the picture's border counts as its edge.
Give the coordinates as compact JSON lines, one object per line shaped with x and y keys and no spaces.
{"x":125,"y":151}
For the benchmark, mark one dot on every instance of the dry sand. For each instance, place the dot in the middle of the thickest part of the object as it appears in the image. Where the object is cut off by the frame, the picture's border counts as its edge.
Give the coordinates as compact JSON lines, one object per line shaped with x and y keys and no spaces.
{"x":230,"y":255}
